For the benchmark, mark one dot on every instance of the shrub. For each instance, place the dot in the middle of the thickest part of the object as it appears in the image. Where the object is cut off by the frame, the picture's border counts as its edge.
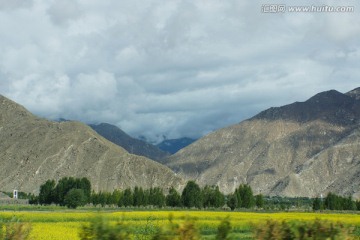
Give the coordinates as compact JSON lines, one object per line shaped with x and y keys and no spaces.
{"x":184,"y":231}
{"x":319,"y":230}
{"x":188,"y":231}
{"x":99,"y":229}
{"x":223,"y":230}
{"x":15,"y":231}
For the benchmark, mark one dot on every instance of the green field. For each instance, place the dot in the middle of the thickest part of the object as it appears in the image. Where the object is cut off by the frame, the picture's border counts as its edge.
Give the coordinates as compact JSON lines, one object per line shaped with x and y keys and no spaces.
{"x":144,"y":224}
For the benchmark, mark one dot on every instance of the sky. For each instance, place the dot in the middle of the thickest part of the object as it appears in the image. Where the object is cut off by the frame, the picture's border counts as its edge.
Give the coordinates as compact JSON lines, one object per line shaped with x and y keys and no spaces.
{"x":176,"y":68}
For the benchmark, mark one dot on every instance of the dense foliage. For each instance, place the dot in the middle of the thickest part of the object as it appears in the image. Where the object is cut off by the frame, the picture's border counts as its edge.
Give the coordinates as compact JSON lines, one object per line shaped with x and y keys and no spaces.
{"x":192,"y":196}
{"x":335,"y":202}
{"x":75,"y":198}
{"x":71,"y":192}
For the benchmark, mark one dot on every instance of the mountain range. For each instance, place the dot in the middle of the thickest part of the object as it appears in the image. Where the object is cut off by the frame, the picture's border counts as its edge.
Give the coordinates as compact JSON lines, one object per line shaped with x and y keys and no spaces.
{"x":33,"y":150}
{"x":301,"y":149}
{"x":132,"y":145}
{"x":141,"y":147}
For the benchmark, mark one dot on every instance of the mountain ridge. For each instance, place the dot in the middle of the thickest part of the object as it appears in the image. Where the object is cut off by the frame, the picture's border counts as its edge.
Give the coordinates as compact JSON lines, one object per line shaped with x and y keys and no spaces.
{"x":174,"y":145}
{"x":132,"y":145}
{"x":300,"y":149}
{"x":313,"y":108}
{"x":33,"y":150}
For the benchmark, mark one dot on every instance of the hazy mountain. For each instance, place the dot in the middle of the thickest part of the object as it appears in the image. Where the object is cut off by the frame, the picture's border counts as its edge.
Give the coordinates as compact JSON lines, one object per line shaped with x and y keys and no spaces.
{"x":173,"y":145}
{"x":33,"y":150}
{"x":301,"y":149}
{"x":132,"y":145}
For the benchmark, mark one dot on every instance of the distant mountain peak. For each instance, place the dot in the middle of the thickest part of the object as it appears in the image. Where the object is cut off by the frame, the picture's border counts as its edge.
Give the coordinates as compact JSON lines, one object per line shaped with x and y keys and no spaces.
{"x":329,"y":106}
{"x":326,"y":95}
{"x":355,"y":93}
{"x":132,"y":145}
{"x":174,"y":145}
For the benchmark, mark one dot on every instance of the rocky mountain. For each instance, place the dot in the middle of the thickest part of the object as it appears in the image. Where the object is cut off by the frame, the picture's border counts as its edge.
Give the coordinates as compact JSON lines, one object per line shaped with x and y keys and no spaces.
{"x":174,"y":145}
{"x":132,"y":145}
{"x":33,"y":150}
{"x":354,"y":93}
{"x":301,"y":149}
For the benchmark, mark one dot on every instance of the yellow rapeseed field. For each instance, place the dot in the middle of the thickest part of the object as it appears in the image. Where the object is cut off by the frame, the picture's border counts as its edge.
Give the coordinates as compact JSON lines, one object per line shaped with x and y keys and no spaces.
{"x":66,"y":225}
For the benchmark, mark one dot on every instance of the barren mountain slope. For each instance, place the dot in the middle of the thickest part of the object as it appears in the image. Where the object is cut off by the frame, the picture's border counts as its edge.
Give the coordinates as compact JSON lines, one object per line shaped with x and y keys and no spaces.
{"x":301,"y":149}
{"x":33,"y":150}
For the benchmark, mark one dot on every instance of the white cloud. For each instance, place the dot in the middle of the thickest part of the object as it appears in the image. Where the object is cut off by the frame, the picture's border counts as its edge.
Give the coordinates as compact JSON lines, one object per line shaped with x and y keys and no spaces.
{"x":15,"y":4}
{"x":61,"y":12}
{"x":175,"y":68}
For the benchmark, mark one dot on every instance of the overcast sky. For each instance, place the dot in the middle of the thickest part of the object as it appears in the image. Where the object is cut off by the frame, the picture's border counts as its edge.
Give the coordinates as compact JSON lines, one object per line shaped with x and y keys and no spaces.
{"x":173,"y":68}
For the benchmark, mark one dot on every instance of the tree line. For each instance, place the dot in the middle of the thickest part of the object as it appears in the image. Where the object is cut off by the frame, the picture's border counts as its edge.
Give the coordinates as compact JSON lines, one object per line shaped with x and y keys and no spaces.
{"x":68,"y":191}
{"x":335,"y":202}
{"x":74,"y":192}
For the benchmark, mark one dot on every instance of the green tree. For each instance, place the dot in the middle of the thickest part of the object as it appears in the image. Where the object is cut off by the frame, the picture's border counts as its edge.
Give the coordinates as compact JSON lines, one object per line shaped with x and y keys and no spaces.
{"x":259,"y":201}
{"x":139,"y":197}
{"x":157,"y":197}
{"x":47,"y":192}
{"x":191,"y":195}
{"x":331,"y":202}
{"x":115,"y":197}
{"x":75,"y":198}
{"x":146,"y":197}
{"x":128,"y":199}
{"x":357,"y":204}
{"x":232,"y":201}
{"x":173,"y":199}
{"x":64,"y":185}
{"x":212,"y":197}
{"x":316,"y":204}
{"x":207,"y":196}
{"x":95,"y":198}
{"x":85,"y":185}
{"x":102,"y":198}
{"x":33,"y":199}
{"x":238,"y":198}
{"x":349,"y":204}
{"x":218,"y":198}
{"x":245,"y":194}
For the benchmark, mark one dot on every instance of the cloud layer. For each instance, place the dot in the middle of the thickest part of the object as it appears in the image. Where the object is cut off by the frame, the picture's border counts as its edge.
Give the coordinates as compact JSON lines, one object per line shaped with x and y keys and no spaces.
{"x":174,"y":68}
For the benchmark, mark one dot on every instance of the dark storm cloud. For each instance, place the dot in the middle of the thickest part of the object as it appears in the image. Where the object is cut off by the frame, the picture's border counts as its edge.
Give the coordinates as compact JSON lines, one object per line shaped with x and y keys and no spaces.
{"x":174,"y":68}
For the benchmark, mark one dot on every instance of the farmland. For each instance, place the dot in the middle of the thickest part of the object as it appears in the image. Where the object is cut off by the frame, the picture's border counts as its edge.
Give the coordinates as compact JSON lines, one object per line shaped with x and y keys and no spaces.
{"x":144,"y":224}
